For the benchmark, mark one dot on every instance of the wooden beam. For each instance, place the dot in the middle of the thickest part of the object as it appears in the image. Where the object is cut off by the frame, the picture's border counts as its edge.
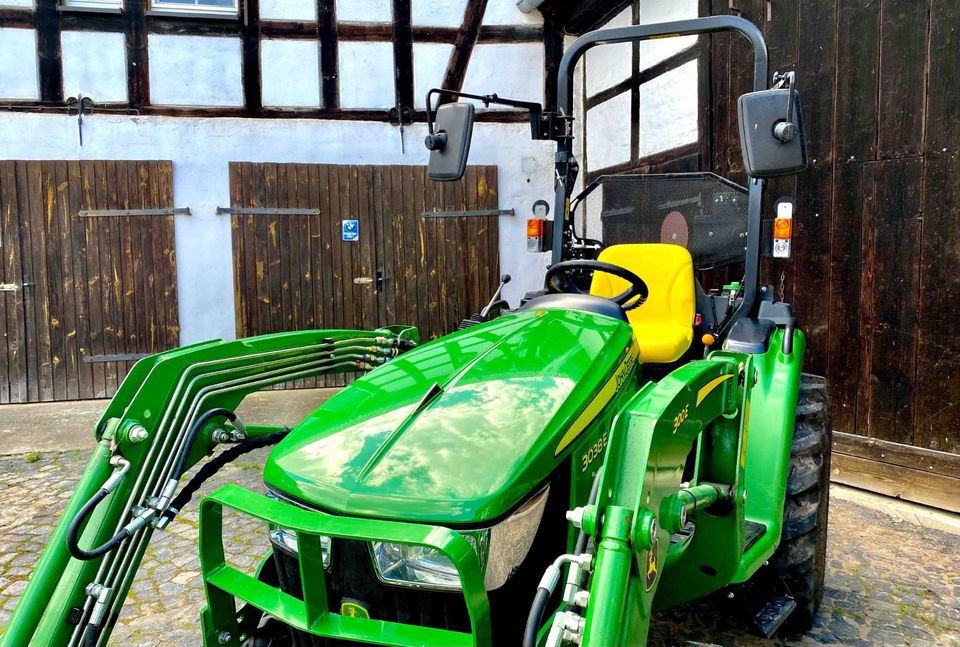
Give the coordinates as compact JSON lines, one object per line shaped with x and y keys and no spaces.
{"x":884,"y":451}
{"x":48,"y":51}
{"x":138,"y":63}
{"x":403,"y":53}
{"x":250,"y":33}
{"x":463,"y":45}
{"x":580,"y":17}
{"x":17,"y":18}
{"x":552,"y":53}
{"x":327,"y":29}
{"x":911,"y":473}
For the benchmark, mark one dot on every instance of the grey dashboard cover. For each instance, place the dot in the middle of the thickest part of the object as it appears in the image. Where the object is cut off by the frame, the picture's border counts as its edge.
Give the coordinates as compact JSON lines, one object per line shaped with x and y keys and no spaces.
{"x":456,"y":120}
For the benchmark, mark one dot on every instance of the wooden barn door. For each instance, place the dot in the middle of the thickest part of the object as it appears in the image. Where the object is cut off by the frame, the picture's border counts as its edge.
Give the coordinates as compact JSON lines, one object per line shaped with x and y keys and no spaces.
{"x":294,"y":271}
{"x":85,"y":291}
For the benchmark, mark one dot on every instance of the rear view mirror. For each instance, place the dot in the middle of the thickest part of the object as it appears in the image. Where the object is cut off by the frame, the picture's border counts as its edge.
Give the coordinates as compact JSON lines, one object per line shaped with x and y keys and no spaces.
{"x":449,"y":143}
{"x":771,"y":133}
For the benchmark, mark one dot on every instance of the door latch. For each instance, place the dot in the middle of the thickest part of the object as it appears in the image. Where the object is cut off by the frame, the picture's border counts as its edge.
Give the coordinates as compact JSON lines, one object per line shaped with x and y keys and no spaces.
{"x":8,"y":287}
{"x":363,"y":280}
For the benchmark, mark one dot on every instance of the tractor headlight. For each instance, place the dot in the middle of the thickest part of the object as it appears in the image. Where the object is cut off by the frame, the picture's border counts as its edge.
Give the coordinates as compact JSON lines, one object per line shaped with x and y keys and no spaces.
{"x":501,"y":549}
{"x":287,"y":539}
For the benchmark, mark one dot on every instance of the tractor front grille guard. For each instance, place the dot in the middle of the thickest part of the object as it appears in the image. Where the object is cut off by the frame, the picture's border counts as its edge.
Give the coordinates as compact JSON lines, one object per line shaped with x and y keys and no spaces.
{"x":225,"y":585}
{"x":703,"y":212}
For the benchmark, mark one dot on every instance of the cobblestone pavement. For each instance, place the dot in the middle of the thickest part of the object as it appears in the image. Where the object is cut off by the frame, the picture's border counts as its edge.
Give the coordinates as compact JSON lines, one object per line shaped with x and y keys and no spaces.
{"x":887,"y":584}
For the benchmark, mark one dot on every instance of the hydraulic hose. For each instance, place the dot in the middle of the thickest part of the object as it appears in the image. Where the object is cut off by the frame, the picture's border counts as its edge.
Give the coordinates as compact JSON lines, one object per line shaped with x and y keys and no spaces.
{"x":214,"y":466}
{"x":545,"y":589}
{"x":180,"y":466}
{"x":535,"y":617}
{"x":73,"y":530}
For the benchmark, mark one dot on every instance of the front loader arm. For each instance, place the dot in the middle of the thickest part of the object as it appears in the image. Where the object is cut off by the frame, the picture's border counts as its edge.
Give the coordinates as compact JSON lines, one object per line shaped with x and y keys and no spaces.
{"x":173,"y":409}
{"x":641,"y":503}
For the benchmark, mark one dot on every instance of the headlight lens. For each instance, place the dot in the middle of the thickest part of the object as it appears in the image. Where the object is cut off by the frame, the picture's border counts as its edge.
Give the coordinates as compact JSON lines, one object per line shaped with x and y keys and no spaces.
{"x":501,"y":550}
{"x":287,"y":539}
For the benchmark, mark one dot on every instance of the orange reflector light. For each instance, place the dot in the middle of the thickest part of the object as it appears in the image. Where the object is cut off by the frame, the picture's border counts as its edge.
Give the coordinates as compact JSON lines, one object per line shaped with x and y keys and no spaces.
{"x":783,"y":228}
{"x":535,"y":228}
{"x":708,"y":339}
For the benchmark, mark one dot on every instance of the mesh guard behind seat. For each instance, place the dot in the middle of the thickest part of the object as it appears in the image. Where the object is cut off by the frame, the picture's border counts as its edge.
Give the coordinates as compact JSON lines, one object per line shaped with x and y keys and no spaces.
{"x":663,"y":326}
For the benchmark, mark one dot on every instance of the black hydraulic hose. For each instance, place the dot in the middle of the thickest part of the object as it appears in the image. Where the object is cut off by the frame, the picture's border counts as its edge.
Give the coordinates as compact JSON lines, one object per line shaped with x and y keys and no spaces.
{"x":73,"y":531}
{"x":536,"y":615}
{"x":543,"y":594}
{"x":180,"y":466}
{"x":214,"y":466}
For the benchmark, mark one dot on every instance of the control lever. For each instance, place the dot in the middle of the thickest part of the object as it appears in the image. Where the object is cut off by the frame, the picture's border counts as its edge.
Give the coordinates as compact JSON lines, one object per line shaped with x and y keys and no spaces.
{"x":785,"y":131}
{"x":496,"y":295}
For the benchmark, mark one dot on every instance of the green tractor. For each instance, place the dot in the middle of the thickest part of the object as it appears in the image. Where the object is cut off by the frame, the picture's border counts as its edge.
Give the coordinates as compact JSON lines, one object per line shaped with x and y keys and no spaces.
{"x":622,"y":442}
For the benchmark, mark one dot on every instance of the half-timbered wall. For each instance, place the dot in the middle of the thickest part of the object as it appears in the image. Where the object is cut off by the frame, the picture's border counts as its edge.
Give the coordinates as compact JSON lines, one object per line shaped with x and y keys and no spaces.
{"x":285,"y":81}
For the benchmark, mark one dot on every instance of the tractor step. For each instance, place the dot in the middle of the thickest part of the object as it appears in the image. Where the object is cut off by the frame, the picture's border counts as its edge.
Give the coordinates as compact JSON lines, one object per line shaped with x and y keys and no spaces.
{"x":752,"y":532}
{"x":773,"y":614}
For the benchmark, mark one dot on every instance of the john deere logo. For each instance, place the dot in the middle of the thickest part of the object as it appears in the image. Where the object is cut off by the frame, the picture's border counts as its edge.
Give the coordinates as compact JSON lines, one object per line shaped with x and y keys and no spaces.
{"x":354,"y":609}
{"x":653,"y":564}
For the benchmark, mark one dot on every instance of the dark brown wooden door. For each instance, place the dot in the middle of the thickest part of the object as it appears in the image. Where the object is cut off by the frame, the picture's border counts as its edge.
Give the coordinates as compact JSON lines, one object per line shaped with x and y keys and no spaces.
{"x":294,"y":271}
{"x":83,"y":295}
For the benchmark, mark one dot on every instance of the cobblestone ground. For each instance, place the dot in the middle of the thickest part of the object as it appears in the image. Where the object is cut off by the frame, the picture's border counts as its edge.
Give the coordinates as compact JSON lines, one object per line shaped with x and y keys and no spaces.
{"x":887,"y":584}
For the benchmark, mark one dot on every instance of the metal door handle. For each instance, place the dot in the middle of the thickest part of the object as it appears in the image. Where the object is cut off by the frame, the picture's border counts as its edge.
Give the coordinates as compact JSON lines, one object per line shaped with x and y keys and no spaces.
{"x":380,"y":279}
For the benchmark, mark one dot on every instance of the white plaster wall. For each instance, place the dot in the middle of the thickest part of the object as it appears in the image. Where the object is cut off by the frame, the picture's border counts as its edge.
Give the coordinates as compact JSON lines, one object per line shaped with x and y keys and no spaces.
{"x":668,"y":110}
{"x":195,"y":70}
{"x":305,"y":10}
{"x":608,"y":132}
{"x":652,"y":11}
{"x":364,"y":10}
{"x":95,"y":65}
{"x":366,"y":75}
{"x":505,"y":12}
{"x":607,"y":65}
{"x":509,"y":70}
{"x":18,"y":60}
{"x":201,"y":149}
{"x":437,"y":13}
{"x":290,"y":72}
{"x":429,"y":66}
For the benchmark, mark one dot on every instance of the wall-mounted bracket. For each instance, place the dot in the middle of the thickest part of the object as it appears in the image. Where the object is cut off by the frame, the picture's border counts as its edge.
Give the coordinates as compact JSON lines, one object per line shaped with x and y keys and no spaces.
{"x":100,"y":213}
{"x":471,"y":214}
{"x":266,"y":211}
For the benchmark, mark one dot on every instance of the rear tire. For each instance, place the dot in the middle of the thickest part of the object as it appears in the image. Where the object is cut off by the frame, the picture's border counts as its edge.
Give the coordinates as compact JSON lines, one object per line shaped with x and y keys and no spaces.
{"x":800,"y":560}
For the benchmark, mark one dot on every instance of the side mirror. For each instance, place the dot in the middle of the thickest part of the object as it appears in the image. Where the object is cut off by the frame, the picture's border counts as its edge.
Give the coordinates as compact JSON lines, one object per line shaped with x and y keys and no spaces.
{"x":449,"y":141}
{"x":771,"y":132}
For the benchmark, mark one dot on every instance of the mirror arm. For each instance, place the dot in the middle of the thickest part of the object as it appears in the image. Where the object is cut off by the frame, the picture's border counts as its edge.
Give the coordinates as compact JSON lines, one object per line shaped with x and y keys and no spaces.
{"x":543,"y":125}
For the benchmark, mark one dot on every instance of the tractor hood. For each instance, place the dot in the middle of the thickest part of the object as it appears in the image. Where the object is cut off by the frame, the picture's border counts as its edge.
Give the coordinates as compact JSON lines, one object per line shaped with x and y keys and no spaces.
{"x":459,"y":430}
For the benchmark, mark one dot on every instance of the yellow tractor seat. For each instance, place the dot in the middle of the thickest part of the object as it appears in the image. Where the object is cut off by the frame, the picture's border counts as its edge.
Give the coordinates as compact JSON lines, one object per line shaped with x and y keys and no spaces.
{"x":663,"y":326}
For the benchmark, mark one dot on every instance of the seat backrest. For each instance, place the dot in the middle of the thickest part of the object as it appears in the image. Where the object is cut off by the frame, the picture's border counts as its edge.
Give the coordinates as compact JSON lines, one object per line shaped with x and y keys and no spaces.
{"x":663,"y":326}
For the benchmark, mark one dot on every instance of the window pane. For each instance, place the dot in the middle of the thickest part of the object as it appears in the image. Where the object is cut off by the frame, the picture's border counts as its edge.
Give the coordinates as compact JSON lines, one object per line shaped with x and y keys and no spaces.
{"x":94,"y":4}
{"x":202,"y":5}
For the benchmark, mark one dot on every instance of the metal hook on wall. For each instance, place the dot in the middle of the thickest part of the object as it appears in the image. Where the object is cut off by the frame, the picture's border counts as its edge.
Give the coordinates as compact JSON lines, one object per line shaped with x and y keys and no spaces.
{"x":80,"y":105}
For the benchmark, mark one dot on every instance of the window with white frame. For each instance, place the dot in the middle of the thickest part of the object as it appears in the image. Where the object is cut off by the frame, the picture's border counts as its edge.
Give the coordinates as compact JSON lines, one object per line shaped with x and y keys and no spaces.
{"x":94,"y":4}
{"x":217,"y":7}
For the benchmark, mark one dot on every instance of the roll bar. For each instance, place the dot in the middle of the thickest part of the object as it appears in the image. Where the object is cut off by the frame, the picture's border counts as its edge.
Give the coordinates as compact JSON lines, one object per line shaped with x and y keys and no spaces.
{"x":567,"y":167}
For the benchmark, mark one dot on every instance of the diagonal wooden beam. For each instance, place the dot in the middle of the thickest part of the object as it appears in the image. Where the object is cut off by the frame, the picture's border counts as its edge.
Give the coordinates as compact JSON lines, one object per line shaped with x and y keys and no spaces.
{"x":467,"y":37}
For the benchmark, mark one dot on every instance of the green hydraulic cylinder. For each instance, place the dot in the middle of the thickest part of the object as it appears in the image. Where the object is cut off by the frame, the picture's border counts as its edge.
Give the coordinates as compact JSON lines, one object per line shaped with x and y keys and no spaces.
{"x":610,"y":581}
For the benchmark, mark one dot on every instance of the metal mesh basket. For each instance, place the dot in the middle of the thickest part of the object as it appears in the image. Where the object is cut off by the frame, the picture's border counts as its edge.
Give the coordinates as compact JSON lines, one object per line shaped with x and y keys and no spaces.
{"x":701,"y":211}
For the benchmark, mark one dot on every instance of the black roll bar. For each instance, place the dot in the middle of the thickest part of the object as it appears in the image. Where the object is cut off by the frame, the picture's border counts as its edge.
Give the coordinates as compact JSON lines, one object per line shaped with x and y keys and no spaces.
{"x":566,"y":170}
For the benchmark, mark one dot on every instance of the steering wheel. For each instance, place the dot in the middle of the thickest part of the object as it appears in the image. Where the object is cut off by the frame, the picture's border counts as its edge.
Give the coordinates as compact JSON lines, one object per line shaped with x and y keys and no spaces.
{"x":558,"y":280}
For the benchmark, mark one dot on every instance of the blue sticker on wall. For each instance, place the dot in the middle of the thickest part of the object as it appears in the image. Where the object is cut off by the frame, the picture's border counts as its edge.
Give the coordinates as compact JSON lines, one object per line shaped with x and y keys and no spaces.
{"x":351,"y":230}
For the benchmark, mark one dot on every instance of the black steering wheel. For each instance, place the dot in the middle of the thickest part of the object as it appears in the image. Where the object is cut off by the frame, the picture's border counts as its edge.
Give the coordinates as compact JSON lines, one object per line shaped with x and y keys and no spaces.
{"x":558,"y":280}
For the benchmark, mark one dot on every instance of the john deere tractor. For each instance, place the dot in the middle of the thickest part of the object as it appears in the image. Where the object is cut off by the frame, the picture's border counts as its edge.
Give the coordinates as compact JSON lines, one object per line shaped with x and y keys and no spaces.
{"x":622,"y":441}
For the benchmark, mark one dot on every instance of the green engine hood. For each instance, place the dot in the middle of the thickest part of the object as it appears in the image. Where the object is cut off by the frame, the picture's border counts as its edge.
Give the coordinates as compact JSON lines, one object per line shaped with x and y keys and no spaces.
{"x":460,"y":429}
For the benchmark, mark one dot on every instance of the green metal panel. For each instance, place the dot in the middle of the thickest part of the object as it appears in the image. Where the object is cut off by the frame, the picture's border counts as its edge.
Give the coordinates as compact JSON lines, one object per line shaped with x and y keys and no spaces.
{"x":504,"y":396}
